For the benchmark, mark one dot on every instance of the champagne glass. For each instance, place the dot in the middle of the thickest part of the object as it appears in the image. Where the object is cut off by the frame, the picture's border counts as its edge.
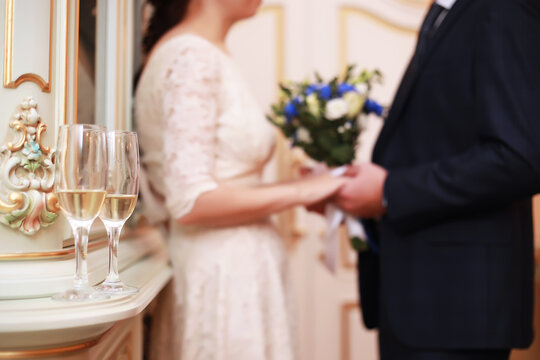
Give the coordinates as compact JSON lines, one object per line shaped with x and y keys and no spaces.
{"x":80,"y":182}
{"x":122,"y":191}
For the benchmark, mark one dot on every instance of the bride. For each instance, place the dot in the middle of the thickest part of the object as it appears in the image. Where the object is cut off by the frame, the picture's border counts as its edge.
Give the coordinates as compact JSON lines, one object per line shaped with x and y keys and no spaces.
{"x":205,"y":144}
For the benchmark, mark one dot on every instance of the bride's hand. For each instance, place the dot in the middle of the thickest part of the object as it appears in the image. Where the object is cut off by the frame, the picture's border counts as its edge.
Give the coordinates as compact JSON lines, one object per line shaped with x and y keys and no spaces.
{"x":313,"y":190}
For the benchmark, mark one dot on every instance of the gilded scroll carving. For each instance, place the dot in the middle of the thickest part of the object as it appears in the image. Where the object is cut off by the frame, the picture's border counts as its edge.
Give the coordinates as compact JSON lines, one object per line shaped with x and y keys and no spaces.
{"x":27,"y":202}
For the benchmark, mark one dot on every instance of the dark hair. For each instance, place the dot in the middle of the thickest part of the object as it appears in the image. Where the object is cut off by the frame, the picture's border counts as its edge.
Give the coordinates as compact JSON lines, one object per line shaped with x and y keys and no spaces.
{"x":165,"y":15}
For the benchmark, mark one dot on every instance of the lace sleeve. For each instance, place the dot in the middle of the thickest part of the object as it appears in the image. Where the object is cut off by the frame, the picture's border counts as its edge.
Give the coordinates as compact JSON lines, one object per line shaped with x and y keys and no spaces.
{"x":190,"y":108}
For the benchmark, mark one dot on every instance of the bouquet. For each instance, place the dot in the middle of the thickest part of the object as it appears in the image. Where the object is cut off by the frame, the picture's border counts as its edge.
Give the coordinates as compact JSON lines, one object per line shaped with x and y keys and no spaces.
{"x":325,"y":119}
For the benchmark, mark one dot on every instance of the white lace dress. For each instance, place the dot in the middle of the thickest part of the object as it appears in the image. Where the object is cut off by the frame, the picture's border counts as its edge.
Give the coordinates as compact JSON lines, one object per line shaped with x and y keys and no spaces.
{"x":200,"y":126}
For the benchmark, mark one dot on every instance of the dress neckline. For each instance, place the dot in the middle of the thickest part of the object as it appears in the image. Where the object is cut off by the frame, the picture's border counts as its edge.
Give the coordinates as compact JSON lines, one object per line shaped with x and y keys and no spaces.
{"x":192,"y":35}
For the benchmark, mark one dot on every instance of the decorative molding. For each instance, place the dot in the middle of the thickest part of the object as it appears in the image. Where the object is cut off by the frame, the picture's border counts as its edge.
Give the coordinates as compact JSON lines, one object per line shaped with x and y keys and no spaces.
{"x":345,"y":332}
{"x":66,"y":350}
{"x":124,"y":349}
{"x":66,"y":65}
{"x":56,"y":255}
{"x":121,"y":61}
{"x":345,"y":249}
{"x":71,"y":79}
{"x":278,"y":12}
{"x":8,"y":41}
{"x":75,"y":55}
{"x":97,"y":240}
{"x":346,"y":12}
{"x":47,"y":353}
{"x":8,"y":53}
{"x":114,"y":63}
{"x":287,"y":161}
{"x":124,"y":64}
{"x":27,"y":174}
{"x":415,"y":3}
{"x":76,"y":63}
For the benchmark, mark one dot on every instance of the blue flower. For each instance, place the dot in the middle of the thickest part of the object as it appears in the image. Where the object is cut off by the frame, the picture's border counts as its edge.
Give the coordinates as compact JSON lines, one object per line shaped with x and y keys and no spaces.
{"x":290,"y":110}
{"x":345,"y":88}
{"x":311,"y":89}
{"x":326,"y":92}
{"x":373,"y":107}
{"x":32,"y":150}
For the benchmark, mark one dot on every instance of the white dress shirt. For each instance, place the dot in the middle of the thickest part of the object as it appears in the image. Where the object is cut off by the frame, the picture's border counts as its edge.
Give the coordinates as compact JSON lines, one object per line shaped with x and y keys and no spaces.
{"x":447,"y":4}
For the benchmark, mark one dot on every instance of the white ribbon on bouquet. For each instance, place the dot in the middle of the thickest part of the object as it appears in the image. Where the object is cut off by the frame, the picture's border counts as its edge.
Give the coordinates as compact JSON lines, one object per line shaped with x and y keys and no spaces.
{"x":334,"y":218}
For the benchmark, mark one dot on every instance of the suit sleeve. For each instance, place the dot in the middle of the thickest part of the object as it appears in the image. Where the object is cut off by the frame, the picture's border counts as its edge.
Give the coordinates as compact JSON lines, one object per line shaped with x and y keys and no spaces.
{"x":504,"y":166}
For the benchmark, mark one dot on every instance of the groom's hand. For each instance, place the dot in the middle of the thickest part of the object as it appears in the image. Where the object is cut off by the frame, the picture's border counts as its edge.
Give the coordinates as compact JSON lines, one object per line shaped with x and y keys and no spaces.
{"x":362,"y":195}
{"x":318,"y":207}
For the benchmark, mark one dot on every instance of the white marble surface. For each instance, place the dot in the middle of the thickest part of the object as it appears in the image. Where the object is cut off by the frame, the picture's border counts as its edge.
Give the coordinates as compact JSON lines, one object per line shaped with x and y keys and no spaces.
{"x":43,"y":322}
{"x":40,"y":278}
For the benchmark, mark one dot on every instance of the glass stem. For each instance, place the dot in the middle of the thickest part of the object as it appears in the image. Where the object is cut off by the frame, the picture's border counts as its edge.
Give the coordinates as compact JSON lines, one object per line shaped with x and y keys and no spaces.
{"x":113,"y":231}
{"x":80,"y":231}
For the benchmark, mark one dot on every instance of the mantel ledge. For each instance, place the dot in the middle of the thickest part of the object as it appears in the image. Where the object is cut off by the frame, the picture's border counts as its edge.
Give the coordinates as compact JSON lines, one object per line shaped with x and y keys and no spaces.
{"x":45,"y":322}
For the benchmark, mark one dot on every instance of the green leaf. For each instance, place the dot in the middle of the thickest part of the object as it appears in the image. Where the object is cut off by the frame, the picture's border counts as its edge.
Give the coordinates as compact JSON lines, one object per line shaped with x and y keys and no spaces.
{"x":34,"y":165}
{"x":343,"y":154}
{"x":333,"y":85}
{"x":308,"y":120}
{"x":348,"y":73}
{"x":286,"y":90}
{"x":10,"y":218}
{"x":359,"y":244}
{"x":324,"y":140}
{"x":278,"y":110}
{"x":48,"y":217}
{"x":314,"y":152}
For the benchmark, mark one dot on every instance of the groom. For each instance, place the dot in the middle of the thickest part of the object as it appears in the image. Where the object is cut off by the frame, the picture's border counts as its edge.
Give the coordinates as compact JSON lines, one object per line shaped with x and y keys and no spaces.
{"x":450,"y":199}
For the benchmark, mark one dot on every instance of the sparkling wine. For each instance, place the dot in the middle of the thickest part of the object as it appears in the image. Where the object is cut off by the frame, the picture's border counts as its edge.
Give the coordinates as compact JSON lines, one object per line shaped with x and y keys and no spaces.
{"x":81,"y":204}
{"x":118,"y":207}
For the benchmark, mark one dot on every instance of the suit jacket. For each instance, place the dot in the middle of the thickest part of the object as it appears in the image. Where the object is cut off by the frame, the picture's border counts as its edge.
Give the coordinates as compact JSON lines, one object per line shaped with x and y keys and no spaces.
{"x":462,"y":148}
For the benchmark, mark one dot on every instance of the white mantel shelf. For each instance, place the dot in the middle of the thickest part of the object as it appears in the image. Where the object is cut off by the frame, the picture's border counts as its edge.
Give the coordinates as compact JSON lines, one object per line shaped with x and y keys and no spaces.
{"x":43,"y":322}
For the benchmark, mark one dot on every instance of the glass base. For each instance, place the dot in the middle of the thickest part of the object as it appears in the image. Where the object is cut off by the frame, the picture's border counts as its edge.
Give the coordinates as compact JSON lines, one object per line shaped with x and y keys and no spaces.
{"x":116,"y":288}
{"x":80,"y":295}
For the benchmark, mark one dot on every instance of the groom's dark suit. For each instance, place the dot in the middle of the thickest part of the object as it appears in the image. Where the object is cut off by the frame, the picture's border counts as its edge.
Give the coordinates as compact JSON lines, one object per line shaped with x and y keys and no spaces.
{"x":462,"y":148}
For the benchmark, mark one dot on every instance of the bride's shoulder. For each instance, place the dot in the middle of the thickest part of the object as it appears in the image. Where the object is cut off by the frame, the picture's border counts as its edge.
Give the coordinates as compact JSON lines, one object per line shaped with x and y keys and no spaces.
{"x":186,"y":53}
{"x":187,"y":46}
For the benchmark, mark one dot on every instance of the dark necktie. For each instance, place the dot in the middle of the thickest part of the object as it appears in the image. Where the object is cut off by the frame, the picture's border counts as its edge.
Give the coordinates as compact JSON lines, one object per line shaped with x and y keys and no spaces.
{"x":431,"y":23}
{"x":429,"y":27}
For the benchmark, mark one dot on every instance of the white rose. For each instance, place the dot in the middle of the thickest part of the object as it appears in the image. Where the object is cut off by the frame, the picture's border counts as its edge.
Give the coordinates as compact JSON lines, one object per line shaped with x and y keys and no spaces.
{"x":313,"y":105}
{"x":336,"y":109}
{"x":355,"y":103}
{"x":362,"y":88}
{"x":302,"y":135}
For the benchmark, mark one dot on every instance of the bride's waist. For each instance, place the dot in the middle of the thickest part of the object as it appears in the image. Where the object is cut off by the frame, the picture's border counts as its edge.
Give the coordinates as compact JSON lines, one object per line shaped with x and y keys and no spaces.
{"x":249,"y":177}
{"x":263,"y":225}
